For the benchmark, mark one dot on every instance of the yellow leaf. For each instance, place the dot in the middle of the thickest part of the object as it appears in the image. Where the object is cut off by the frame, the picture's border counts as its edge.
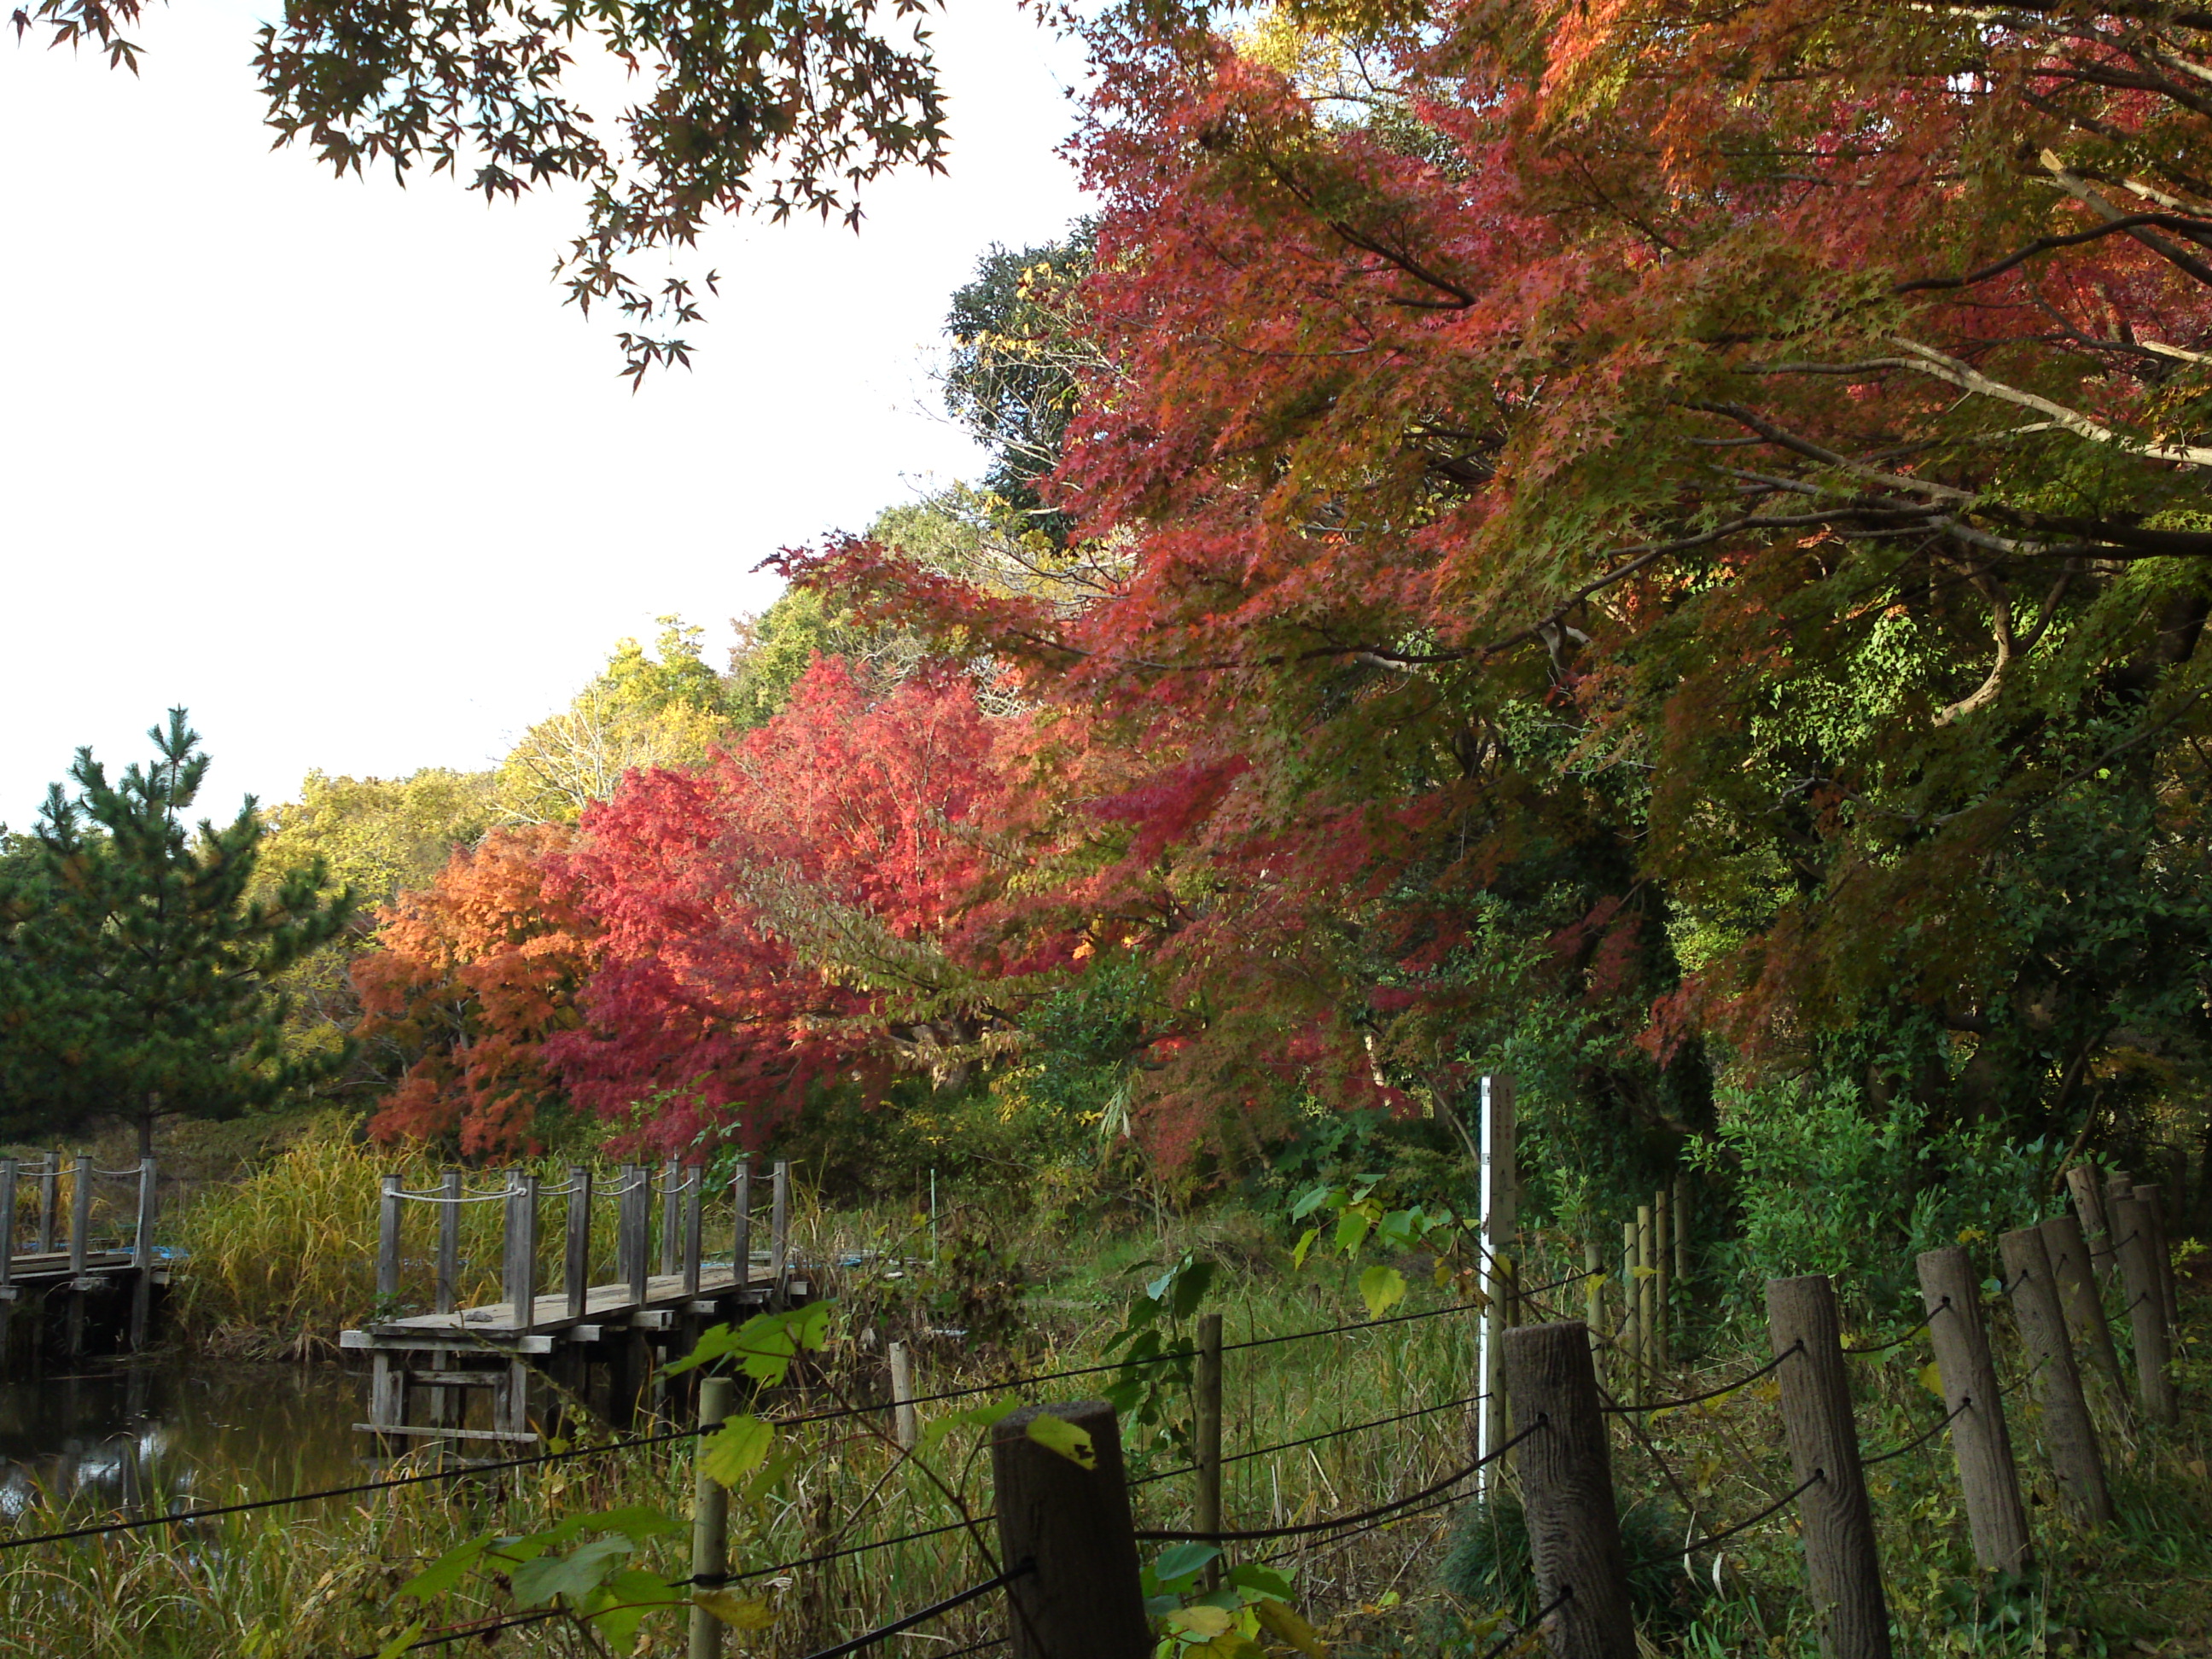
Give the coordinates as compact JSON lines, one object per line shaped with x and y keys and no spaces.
{"x":1291,"y":1628}
{"x":1207,"y":1622}
{"x":736,"y":1450}
{"x":1931,"y":1378}
{"x":1381,"y":1289}
{"x":737,"y":1615}
{"x":1057,"y":1434}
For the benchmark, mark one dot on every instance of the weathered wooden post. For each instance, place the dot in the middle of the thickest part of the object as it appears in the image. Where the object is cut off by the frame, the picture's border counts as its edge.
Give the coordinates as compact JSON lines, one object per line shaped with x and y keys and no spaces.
{"x":80,"y":1236}
{"x":1661,"y":1251}
{"x":1681,"y":1226}
{"x":695,"y":1193}
{"x":141,"y":1254}
{"x":1631,"y":1341}
{"x":741,"y":1244}
{"x":9,"y":1169}
{"x":2087,"y":1189}
{"x":779,"y":1231}
{"x":576,"y":1274}
{"x":1840,"y":1561}
{"x":905,"y":1426}
{"x":387,"y":1246}
{"x":671,"y":1210}
{"x":49,"y":1199}
{"x":521,"y":1255}
{"x":2067,"y":1433}
{"x":1979,"y":1440}
{"x":710,"y":1520}
{"x":1206,"y":1430}
{"x":2151,"y":1202}
{"x":449,"y":1243}
{"x":1647,"y":1299}
{"x":1566,"y":1492}
{"x":2145,"y":1295}
{"x":1070,"y":1526}
{"x":633,"y":1225}
{"x":2080,"y":1301}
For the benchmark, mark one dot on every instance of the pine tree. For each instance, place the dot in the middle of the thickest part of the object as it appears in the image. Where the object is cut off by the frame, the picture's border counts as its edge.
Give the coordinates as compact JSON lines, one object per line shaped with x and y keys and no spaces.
{"x":136,"y":960}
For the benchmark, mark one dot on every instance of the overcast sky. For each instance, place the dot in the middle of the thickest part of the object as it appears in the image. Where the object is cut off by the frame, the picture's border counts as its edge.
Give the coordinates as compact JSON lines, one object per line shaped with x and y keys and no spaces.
{"x":332,"y":464}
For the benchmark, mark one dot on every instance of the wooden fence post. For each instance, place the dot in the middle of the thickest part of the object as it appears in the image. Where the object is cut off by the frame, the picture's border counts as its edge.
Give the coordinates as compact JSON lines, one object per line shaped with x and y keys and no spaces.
{"x":2146,"y":1294}
{"x":2067,"y":1433}
{"x":80,"y":1236}
{"x":1566,"y":1493}
{"x":671,"y":1204}
{"x":906,"y":1427}
{"x":8,"y":1169}
{"x":710,"y":1520}
{"x":449,"y":1243}
{"x":1681,"y":1226}
{"x":1647,"y":1299}
{"x":741,"y":1243}
{"x":778,"y":1230}
{"x":2087,"y":1189}
{"x":1070,"y":1526}
{"x":576,"y":1266}
{"x":142,"y":1252}
{"x":695,"y":1199}
{"x":387,"y":1244}
{"x":521,"y":1261}
{"x":2151,"y":1199}
{"x":1661,"y":1250}
{"x":2080,"y":1301}
{"x":1979,"y":1441}
{"x":1840,"y":1561}
{"x":1205,"y":1424}
{"x":1631,"y":1342}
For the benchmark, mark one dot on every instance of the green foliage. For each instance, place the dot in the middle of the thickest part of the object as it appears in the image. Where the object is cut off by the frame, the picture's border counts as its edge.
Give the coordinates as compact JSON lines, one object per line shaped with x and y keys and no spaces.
{"x":138,"y":954}
{"x":1155,"y":1350}
{"x":1486,"y":1564}
{"x":774,"y":648}
{"x":1226,"y":1621}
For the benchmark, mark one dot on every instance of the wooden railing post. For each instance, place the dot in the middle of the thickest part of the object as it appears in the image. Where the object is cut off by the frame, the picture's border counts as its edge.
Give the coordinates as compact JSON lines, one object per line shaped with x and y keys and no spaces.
{"x":8,"y":1169}
{"x":1662,"y":1253}
{"x":710,"y":1520}
{"x":521,"y":1275}
{"x":1631,"y":1342}
{"x":448,"y":1294}
{"x":671,"y":1207}
{"x":387,"y":1245}
{"x":741,"y":1240}
{"x":779,"y":1235}
{"x":632,"y":1229}
{"x":1070,"y":1526}
{"x":576,"y":1275}
{"x":2151,"y":1201}
{"x":2081,"y":1303}
{"x":1841,"y":1566}
{"x":1647,"y":1297}
{"x":1566,"y":1491}
{"x":49,"y":1199}
{"x":2146,"y":1292}
{"x":1951,"y":1292}
{"x":142,"y":1252}
{"x":695,"y":1192}
{"x":2068,"y":1434}
{"x":906,"y":1427}
{"x":80,"y":1237}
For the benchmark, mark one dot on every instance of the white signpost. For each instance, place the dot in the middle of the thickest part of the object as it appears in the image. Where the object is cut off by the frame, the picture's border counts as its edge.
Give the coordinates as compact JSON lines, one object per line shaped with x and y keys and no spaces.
{"x":1500,"y":1198}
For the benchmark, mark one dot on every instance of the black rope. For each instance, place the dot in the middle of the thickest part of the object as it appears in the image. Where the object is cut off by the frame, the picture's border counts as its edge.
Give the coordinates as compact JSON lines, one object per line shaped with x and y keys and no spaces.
{"x":716,"y":1580}
{"x":2121,"y":1245}
{"x":973,"y":1592}
{"x":1313,"y":1439}
{"x":1402,"y":1516}
{"x":1899,"y":1341}
{"x":1258,"y":1535}
{"x":1711,"y":1394}
{"x":1918,"y":1440}
{"x":1727,"y":1533}
{"x":1530,"y":1629}
{"x":973,"y":1647}
{"x":470,"y":1632}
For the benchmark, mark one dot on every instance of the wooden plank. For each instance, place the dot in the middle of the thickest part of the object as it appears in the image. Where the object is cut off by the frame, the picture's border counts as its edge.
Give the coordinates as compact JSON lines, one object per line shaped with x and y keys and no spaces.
{"x":425,"y":1432}
{"x":413,"y":1342}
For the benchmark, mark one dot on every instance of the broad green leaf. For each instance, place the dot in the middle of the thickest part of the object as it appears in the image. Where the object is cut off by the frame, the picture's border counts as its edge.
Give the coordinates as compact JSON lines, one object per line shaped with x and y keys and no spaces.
{"x":1381,"y":1289}
{"x":448,"y":1570}
{"x":1057,"y":1434}
{"x":616,"y":1611}
{"x":763,"y":1345}
{"x":400,"y":1644}
{"x":1305,"y":1243}
{"x":1181,"y":1561}
{"x":1158,"y":1290}
{"x":573,"y":1575}
{"x":736,"y":1450}
{"x":775,"y":1468}
{"x":1352,"y":1229}
{"x":1313,"y":1200}
{"x":737,"y":1615}
{"x":1261,"y":1581}
{"x":1277,"y":1617}
{"x":1191,"y":1286}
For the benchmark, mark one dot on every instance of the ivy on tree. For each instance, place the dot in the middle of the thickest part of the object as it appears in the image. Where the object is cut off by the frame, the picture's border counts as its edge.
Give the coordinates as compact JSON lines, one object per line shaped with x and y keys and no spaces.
{"x":135,"y":954}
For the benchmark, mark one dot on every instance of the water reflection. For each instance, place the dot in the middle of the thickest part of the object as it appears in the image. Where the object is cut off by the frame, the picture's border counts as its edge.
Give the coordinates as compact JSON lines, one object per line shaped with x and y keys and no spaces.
{"x":168,"y":1434}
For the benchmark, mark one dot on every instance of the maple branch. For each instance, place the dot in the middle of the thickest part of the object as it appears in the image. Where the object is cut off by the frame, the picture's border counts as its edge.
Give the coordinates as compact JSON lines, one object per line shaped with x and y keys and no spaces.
{"x":1746,"y":416}
{"x":1462,"y":298}
{"x":1926,"y":360}
{"x":2001,"y":628}
{"x":2080,"y":188}
{"x":2138,"y":225}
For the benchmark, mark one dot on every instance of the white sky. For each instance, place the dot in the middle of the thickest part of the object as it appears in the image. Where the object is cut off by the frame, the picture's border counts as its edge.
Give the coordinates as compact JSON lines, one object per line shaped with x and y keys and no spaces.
{"x":333,"y":465}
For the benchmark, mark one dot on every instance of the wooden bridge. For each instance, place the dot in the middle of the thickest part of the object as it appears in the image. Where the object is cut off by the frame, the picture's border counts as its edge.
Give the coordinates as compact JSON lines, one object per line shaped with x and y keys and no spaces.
{"x":73,"y":1249}
{"x":539,"y":1356}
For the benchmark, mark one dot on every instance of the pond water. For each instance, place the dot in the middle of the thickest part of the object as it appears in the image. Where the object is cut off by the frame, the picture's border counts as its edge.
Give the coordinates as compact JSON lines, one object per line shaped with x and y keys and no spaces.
{"x":177,"y":1432}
